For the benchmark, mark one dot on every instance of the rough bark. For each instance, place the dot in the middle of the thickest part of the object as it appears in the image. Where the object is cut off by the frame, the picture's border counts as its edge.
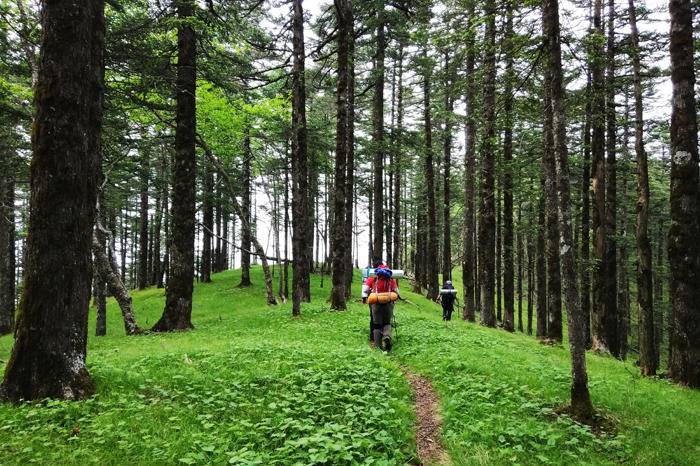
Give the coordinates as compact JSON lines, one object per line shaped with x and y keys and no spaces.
{"x":177,"y":314}
{"x":658,"y":295}
{"x":581,"y":407}
{"x":48,"y":356}
{"x":300,"y":168}
{"x":487,"y":214}
{"x":683,"y":245}
{"x":648,"y":359}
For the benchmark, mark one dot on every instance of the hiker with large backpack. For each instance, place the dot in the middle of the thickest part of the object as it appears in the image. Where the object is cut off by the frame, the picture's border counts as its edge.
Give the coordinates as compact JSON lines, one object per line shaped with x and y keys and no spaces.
{"x":448,"y":296}
{"x":381,"y":291}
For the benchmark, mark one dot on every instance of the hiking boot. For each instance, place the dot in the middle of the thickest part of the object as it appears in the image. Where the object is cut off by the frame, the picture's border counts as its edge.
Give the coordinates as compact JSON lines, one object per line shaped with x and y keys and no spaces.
{"x":387,"y":344}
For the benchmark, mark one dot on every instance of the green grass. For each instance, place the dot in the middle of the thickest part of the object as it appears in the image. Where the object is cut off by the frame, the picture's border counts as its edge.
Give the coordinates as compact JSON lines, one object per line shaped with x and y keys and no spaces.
{"x":251,"y":385}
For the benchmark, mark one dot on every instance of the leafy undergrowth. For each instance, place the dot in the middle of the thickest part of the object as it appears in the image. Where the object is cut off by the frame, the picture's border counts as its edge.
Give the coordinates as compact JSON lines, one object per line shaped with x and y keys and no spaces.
{"x":251,"y":385}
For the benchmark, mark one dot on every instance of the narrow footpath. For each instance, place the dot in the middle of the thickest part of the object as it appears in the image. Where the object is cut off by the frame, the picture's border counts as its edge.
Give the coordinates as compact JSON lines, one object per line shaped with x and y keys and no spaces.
{"x":428,"y":420}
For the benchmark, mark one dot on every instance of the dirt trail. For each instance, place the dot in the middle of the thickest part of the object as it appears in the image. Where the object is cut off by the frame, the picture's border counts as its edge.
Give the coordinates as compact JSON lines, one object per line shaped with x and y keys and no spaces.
{"x":428,"y":420}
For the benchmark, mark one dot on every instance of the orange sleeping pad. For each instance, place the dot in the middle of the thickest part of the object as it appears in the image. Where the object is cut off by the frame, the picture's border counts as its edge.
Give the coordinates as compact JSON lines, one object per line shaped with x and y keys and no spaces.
{"x":382,"y":298}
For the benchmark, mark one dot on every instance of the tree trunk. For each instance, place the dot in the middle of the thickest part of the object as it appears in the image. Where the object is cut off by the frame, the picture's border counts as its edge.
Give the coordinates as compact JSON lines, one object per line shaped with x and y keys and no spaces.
{"x":683,"y":245}
{"x":581,"y":407}
{"x":530,"y":282}
{"x":541,"y":330}
{"x":554,"y":319}
{"x":487,"y":219}
{"x":350,"y":153}
{"x":246,"y":233}
{"x":521,"y":258}
{"x":586,"y":220}
{"x":106,"y":269}
{"x":143,"y":222}
{"x":508,"y":266}
{"x":7,"y":246}
{"x":447,"y":153}
{"x":300,"y":168}
{"x":599,"y":317}
{"x":48,"y":356}
{"x":208,"y":221}
{"x":468,"y":269}
{"x":177,"y":314}
{"x":339,"y":240}
{"x":648,"y":357}
{"x":398,"y":165}
{"x":658,"y":296}
{"x":429,"y":171}
{"x":378,"y":137}
{"x":610,"y":258}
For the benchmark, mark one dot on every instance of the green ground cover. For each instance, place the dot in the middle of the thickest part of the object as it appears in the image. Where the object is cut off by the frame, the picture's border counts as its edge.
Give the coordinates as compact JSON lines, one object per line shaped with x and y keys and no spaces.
{"x":251,"y":385}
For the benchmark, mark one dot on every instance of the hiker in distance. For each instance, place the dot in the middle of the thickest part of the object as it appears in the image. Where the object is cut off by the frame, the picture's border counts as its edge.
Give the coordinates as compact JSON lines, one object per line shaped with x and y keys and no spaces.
{"x":448,"y":296}
{"x":381,"y":291}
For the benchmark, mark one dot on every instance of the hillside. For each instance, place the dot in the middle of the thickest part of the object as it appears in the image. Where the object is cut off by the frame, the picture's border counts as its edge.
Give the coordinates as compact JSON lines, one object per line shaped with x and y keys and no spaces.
{"x":251,"y":385}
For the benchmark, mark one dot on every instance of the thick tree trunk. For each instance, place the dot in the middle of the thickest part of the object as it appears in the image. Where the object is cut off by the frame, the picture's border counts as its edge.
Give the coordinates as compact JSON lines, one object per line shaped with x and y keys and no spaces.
{"x":648,"y":357}
{"x":300,"y":168}
{"x":683,"y":245}
{"x":246,"y":233}
{"x":100,"y":298}
{"x":610,"y":292}
{"x":468,"y":261}
{"x":487,"y":214}
{"x":339,"y":241}
{"x":581,"y":407}
{"x":177,"y":314}
{"x":48,"y":356}
{"x":508,"y":266}
{"x":554,"y":318}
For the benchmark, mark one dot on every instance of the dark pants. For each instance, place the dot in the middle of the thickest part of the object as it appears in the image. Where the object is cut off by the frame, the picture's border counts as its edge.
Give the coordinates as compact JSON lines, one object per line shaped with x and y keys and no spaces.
{"x":381,"y":318}
{"x":447,"y":312}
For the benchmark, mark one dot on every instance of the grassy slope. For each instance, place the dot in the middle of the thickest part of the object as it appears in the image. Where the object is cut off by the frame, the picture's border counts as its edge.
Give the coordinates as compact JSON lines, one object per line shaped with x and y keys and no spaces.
{"x":252,"y":386}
